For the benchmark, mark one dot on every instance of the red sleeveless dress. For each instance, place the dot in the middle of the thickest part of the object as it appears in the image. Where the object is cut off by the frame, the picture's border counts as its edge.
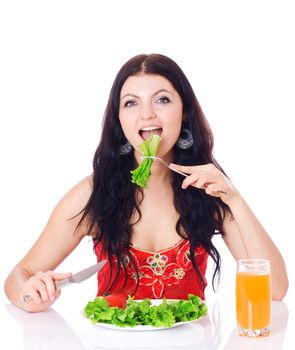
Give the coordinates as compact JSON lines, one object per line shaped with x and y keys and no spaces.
{"x":167,"y":273}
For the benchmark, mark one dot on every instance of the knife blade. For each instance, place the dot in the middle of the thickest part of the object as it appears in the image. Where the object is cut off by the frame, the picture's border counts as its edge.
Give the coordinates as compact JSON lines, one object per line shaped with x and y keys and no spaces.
{"x":75,"y":278}
{"x":81,"y":275}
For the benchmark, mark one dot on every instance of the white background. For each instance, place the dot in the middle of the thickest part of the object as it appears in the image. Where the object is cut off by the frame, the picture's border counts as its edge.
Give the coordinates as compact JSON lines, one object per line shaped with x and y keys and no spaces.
{"x":57,"y":63}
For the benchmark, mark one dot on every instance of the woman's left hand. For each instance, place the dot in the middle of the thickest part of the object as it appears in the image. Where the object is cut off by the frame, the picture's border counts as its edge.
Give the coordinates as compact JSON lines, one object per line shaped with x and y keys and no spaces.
{"x":208,"y":178}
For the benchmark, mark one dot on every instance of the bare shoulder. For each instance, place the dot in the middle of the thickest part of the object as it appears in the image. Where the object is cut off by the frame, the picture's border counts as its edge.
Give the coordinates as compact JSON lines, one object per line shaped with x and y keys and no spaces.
{"x":82,"y":189}
{"x":60,"y":235}
{"x":77,"y":197}
{"x":67,"y":213}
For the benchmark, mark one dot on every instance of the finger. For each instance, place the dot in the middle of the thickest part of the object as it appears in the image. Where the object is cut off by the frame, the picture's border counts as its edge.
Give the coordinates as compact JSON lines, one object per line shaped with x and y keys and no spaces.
{"x":54,"y":276}
{"x":201,"y":183}
{"x":184,"y":168}
{"x":190,"y":180}
{"x":42,"y":288}
{"x":39,"y":283}
{"x":57,"y":293}
{"x":35,"y":291}
{"x":50,"y":286}
{"x":59,"y":276}
{"x":198,"y":180}
{"x":193,"y":168}
{"x":215,"y":190}
{"x":30,"y":294}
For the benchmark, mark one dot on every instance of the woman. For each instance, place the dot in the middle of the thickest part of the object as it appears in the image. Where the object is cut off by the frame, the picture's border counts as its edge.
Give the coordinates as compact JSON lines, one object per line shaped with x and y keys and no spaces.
{"x":156,"y":240}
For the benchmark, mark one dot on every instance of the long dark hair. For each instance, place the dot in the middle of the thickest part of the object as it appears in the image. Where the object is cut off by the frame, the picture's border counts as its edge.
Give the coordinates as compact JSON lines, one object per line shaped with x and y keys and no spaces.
{"x":114,"y":198}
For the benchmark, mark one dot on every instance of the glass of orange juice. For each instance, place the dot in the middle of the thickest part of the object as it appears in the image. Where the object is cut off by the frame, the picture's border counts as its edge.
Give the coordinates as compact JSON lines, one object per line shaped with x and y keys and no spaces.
{"x":253,"y":297}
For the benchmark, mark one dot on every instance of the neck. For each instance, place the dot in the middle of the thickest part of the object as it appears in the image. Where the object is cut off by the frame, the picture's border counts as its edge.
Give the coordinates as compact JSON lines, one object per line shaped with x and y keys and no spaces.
{"x":160,"y":174}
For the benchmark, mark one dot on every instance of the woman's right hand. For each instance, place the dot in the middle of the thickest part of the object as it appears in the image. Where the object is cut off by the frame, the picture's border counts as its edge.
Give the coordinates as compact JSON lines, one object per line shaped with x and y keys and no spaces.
{"x":42,"y":291}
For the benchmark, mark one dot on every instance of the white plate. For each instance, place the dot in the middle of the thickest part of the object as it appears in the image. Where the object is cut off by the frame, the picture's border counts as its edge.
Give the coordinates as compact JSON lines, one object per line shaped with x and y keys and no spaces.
{"x":141,"y":327}
{"x":145,"y":327}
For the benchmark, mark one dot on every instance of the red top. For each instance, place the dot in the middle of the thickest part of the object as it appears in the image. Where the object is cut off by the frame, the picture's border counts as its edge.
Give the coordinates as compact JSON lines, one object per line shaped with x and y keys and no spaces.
{"x":167,"y":273}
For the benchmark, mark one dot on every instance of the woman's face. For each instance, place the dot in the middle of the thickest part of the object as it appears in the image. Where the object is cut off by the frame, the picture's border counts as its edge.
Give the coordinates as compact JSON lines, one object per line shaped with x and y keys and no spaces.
{"x":149,"y":103}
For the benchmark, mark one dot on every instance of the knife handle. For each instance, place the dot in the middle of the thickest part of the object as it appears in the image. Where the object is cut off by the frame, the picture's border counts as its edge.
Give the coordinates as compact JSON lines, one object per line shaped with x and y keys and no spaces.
{"x":64,"y":282}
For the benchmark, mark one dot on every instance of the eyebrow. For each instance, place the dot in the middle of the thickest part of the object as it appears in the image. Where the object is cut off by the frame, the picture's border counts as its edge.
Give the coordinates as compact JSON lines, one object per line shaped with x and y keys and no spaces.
{"x":154,"y":94}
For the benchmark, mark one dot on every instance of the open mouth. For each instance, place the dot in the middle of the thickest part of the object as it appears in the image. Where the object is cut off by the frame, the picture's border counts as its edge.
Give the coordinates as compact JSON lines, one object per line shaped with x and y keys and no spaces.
{"x":145,"y":133}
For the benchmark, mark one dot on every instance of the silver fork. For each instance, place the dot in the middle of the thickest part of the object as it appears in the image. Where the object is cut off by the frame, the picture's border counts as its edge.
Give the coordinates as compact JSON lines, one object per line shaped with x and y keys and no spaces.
{"x":166,"y":164}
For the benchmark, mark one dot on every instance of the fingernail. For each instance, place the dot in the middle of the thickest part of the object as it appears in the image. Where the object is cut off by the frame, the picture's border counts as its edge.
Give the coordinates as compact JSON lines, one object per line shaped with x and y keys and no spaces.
{"x":52,"y":298}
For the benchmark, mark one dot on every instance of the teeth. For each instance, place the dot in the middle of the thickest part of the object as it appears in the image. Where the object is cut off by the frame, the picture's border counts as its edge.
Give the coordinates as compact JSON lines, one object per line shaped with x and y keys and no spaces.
{"x":150,"y":128}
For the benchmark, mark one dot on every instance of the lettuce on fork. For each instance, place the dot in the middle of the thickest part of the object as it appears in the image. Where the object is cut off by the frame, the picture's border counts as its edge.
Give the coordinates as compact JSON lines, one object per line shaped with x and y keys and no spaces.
{"x":142,"y":173}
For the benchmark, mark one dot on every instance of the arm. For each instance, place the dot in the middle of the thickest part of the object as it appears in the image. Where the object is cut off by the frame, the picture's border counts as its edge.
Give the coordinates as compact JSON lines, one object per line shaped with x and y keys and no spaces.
{"x":246,"y":238}
{"x":243,"y":233}
{"x":34,"y":274}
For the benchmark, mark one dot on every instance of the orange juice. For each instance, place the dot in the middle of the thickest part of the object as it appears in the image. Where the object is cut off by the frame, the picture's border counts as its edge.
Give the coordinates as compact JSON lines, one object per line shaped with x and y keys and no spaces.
{"x":253,"y":300}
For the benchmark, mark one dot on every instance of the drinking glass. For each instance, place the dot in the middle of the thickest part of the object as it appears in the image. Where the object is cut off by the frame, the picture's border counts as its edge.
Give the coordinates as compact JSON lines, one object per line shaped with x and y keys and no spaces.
{"x":253,"y":297}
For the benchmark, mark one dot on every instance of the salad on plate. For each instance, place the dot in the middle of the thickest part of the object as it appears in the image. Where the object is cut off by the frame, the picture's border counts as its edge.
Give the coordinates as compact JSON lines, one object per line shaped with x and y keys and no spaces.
{"x":162,"y":313}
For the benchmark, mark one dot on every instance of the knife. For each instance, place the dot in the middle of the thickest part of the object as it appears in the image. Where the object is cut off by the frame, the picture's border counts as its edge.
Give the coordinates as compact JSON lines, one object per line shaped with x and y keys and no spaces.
{"x":75,"y":278}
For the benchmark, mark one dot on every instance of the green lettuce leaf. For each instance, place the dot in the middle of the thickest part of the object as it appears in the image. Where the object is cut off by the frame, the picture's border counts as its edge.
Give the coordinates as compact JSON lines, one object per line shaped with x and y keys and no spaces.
{"x":142,"y":173}
{"x":144,"y":313}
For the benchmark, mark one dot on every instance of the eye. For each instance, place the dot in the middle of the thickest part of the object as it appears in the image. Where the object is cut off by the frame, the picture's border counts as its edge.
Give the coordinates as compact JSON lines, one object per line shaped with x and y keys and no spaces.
{"x":163,"y":99}
{"x":130,"y":103}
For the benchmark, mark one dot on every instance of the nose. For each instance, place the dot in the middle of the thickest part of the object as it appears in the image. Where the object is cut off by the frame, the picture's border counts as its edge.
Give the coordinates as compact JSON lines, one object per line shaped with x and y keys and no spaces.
{"x":147,"y":111}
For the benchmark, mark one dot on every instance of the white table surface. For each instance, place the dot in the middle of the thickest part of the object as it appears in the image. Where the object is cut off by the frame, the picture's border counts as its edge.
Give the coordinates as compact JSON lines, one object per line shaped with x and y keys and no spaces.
{"x":64,"y":328}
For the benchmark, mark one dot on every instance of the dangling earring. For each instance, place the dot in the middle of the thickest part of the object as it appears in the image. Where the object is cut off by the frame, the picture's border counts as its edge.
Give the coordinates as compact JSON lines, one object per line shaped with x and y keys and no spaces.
{"x":125,"y":149}
{"x":185,"y":140}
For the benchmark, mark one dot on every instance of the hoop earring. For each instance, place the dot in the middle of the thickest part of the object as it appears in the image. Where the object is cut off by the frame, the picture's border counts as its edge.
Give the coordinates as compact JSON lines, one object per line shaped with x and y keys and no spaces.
{"x":185,"y":140}
{"x":125,"y":149}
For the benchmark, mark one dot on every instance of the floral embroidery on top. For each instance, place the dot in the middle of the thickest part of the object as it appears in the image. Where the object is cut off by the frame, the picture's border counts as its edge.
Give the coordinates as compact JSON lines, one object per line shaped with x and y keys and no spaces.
{"x":168,"y":273}
{"x":157,"y":263}
{"x":159,"y":271}
{"x":179,"y":273}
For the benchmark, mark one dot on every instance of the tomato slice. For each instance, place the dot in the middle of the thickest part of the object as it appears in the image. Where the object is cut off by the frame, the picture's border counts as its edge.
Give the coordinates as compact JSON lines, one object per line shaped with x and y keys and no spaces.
{"x":118,"y":300}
